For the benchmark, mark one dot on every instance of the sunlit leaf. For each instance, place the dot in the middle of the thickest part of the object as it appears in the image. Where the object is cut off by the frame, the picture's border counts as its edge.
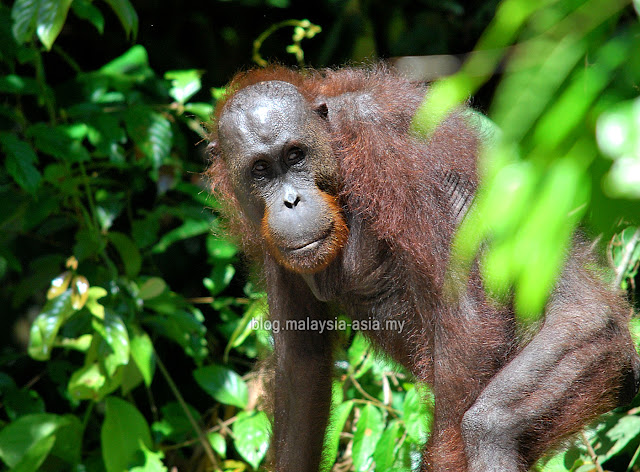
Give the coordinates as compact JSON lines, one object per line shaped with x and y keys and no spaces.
{"x":184,"y":83}
{"x":385,"y":453}
{"x":47,"y":324}
{"x":417,"y":417}
{"x":51,"y":17}
{"x":368,"y":431}
{"x":251,"y":430}
{"x":79,"y":291}
{"x":123,"y":433}
{"x":59,"y":284}
{"x":223,"y":384}
{"x":152,"y":461}
{"x":143,"y":355}
{"x":114,"y":333}
{"x":339,"y":415}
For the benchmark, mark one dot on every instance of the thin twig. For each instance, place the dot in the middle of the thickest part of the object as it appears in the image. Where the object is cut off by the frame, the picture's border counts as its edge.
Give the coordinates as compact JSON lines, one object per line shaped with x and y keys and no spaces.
{"x":592,"y":453}
{"x":201,"y":436}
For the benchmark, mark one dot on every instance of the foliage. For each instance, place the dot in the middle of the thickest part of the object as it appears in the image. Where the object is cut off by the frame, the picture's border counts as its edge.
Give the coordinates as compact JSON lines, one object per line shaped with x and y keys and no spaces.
{"x":141,"y":336}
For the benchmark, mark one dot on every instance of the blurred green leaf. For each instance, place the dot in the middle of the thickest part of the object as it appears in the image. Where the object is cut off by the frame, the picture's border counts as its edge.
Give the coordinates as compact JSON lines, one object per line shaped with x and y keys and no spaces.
{"x":129,"y":254}
{"x":18,"y":85}
{"x":339,"y":415}
{"x":251,"y":430}
{"x":151,"y":288}
{"x":152,"y":461}
{"x":115,"y":350}
{"x":59,"y":142}
{"x":44,"y":17}
{"x":188,"y":229}
{"x":127,"y":16}
{"x":26,"y":442}
{"x":47,"y":324}
{"x":20,"y":162}
{"x":368,"y":431}
{"x":85,"y":10}
{"x":223,"y":384}
{"x":184,"y":83}
{"x":124,"y":432}
{"x":151,"y":132}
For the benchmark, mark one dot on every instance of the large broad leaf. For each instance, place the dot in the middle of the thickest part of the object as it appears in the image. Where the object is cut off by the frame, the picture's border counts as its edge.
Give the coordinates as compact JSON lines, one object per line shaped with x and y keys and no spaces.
{"x":143,"y":355}
{"x":20,"y":162}
{"x":368,"y":431}
{"x":252,"y":430}
{"x":114,"y":350}
{"x":151,"y":131}
{"x":26,"y":442}
{"x":223,"y":384}
{"x":124,"y":431}
{"x":385,"y":453}
{"x":47,"y":324}
{"x":128,"y":251}
{"x":45,"y":17}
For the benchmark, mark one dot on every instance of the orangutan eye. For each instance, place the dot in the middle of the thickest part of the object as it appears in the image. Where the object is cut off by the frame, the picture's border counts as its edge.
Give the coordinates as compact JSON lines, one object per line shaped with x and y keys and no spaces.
{"x":260,"y":169}
{"x":293,"y":156}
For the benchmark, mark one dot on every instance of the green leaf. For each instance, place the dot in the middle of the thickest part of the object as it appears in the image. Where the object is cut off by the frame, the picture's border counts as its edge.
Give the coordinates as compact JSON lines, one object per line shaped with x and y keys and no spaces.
{"x":133,"y":62}
{"x":188,"y":229}
{"x":152,"y":461}
{"x":47,"y":324}
{"x":85,"y":10}
{"x":60,"y":142}
{"x":26,"y":442}
{"x":88,"y":383}
{"x":385,"y":453}
{"x":151,"y":132}
{"x":220,"y":248}
{"x":368,"y":431}
{"x":25,"y":16}
{"x":416,"y":416}
{"x":123,"y":433}
{"x":20,"y":162}
{"x":337,"y":420}
{"x":127,"y":16}
{"x":151,"y":288}
{"x":184,"y":83}
{"x":17,"y":85}
{"x":143,"y":355}
{"x":251,"y":430}
{"x":128,"y":253}
{"x":223,"y":384}
{"x":51,"y":17}
{"x":22,"y":402}
{"x":202,"y":111}
{"x":175,"y":426}
{"x":218,"y":444}
{"x":115,"y":350}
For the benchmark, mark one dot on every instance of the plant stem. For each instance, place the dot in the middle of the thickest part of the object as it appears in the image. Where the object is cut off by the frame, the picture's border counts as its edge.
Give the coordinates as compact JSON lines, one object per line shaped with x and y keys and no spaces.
{"x":201,"y":436}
